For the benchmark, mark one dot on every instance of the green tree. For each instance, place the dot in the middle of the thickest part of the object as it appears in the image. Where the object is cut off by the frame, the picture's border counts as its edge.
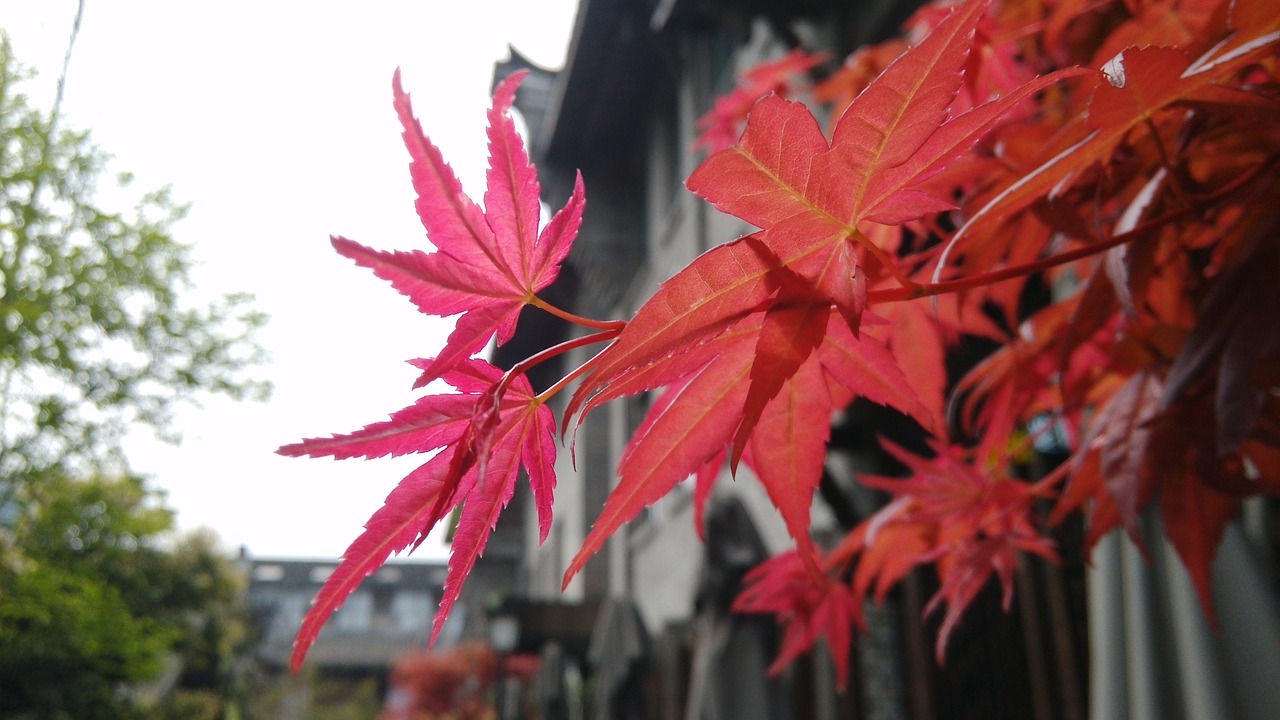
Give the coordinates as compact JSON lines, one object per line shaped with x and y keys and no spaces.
{"x":100,"y":608}
{"x":95,"y":335}
{"x":216,"y":645}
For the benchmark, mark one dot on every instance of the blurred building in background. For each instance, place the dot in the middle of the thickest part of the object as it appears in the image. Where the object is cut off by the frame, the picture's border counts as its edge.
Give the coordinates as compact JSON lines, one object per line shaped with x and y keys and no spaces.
{"x":390,"y":614}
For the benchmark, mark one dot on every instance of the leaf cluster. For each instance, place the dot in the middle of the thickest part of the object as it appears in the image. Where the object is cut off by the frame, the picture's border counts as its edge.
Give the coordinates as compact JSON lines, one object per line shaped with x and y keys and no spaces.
{"x":1123,"y":155}
{"x":449,"y":683}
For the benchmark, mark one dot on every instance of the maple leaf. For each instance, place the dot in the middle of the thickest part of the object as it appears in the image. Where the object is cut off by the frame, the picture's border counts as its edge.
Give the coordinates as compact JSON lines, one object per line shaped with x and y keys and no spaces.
{"x":515,"y":429}
{"x":702,"y":412}
{"x":687,"y":431}
{"x":810,"y":605}
{"x":690,"y":423}
{"x":1237,"y":328}
{"x":1134,"y":87}
{"x":1190,"y":477}
{"x":971,"y":521}
{"x":722,"y":124}
{"x":1121,"y":434}
{"x":1085,"y":491}
{"x":785,"y":178}
{"x":812,"y":198}
{"x":993,"y":396}
{"x":808,"y":196}
{"x":969,"y":565}
{"x":919,"y":338}
{"x":491,"y":262}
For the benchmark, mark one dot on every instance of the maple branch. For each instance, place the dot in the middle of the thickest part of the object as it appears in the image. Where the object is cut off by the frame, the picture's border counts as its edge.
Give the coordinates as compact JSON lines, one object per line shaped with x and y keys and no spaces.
{"x":1015,"y":271}
{"x":614,"y":326}
{"x":885,"y":261}
{"x":1031,"y":268}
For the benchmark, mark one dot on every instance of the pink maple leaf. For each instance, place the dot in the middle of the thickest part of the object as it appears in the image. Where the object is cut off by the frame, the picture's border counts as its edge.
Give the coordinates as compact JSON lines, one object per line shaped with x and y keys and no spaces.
{"x":723,"y":123}
{"x":508,"y":427}
{"x":808,"y":604}
{"x":489,"y":263}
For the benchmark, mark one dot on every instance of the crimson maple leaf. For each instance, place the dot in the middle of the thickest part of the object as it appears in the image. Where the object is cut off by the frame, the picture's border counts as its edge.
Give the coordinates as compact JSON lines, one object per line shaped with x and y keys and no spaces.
{"x":809,"y":604}
{"x":723,"y":123}
{"x":796,"y":290}
{"x":701,"y":413}
{"x":967,"y":516}
{"x":488,"y":266}
{"x":490,"y":262}
{"x":486,"y":434}
{"x":970,"y":521}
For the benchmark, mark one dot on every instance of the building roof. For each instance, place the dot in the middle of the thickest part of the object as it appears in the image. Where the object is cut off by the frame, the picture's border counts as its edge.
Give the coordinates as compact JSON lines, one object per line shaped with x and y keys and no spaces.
{"x":279,"y":573}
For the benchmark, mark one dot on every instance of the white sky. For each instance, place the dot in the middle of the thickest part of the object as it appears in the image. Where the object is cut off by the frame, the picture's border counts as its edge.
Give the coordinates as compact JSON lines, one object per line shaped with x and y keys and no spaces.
{"x":274,"y":120}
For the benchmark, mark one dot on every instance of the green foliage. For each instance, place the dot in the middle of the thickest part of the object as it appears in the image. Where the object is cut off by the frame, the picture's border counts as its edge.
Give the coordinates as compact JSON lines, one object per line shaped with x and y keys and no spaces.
{"x":95,"y":336}
{"x":314,"y":696}
{"x":191,"y":705}
{"x":103,"y":614}
{"x":95,"y":604}
{"x":68,"y":643}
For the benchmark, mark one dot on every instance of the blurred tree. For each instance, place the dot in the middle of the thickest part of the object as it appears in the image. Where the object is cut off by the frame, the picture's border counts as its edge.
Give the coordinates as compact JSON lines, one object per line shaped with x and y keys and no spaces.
{"x":101,"y":617}
{"x":95,"y":336}
{"x":102,"y":613}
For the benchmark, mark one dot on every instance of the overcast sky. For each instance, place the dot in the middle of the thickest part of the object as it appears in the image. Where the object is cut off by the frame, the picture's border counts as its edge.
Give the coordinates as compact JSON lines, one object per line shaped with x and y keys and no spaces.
{"x":274,"y":120}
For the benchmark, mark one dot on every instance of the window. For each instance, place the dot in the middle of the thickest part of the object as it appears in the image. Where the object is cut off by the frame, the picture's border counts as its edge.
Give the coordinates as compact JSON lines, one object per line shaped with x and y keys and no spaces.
{"x":413,"y":611}
{"x":268,"y":573}
{"x":356,"y":614}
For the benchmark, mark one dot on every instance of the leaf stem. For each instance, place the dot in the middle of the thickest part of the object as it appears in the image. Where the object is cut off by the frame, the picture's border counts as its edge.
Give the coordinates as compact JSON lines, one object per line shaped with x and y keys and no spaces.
{"x":1166,"y":160}
{"x":538,"y":358}
{"x":577,"y":372}
{"x":608,"y":325}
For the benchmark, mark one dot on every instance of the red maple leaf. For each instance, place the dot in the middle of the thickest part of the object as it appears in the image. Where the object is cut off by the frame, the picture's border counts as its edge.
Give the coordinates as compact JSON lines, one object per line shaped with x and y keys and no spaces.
{"x":491,"y":262}
{"x":723,"y":123}
{"x":797,"y":286}
{"x":701,"y":414}
{"x":970,"y":521}
{"x":488,"y":266}
{"x":810,"y":605}
{"x":964,"y":515}
{"x":808,"y":196}
{"x":506,"y":429}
